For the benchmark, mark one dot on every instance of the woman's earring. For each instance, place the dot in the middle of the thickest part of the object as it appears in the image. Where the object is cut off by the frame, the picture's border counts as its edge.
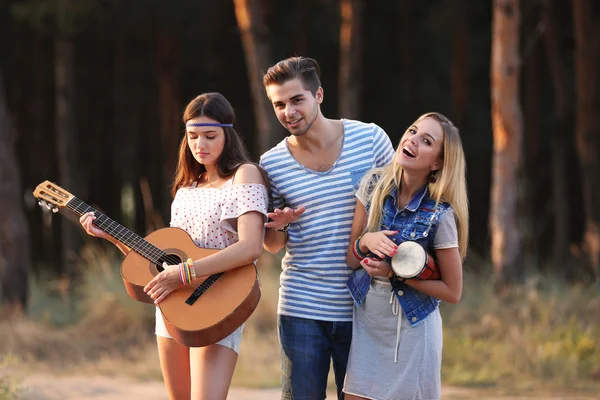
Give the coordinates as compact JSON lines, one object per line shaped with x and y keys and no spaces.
{"x":432,"y":178}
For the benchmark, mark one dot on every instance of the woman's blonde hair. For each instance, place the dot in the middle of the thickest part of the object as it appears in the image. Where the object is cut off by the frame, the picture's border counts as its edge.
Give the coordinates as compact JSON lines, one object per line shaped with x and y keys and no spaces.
{"x":450,"y":184}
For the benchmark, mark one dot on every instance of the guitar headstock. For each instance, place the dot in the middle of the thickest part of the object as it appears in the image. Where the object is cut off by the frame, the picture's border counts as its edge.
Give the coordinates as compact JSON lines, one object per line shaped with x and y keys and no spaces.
{"x":51,"y":195}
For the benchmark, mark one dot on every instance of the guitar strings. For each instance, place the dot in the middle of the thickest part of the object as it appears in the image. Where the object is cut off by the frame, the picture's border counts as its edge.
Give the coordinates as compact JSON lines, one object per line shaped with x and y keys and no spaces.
{"x":170,"y":259}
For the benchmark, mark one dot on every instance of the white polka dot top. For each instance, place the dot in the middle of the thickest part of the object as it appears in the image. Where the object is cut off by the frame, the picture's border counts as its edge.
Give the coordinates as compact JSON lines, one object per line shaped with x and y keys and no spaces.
{"x":208,"y":214}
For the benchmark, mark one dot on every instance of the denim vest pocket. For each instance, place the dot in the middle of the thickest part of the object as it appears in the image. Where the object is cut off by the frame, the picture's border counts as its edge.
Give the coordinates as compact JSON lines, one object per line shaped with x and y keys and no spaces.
{"x":358,"y":284}
{"x":420,"y":314}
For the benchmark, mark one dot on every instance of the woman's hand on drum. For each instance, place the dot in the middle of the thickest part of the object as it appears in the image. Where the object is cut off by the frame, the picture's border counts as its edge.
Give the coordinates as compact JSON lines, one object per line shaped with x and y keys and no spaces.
{"x":375,"y":267}
{"x":379,"y":243}
{"x":86,"y":220}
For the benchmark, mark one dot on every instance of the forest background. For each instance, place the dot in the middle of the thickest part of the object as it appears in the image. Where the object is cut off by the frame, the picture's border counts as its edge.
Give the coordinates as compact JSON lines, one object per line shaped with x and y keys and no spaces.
{"x":92,"y":94}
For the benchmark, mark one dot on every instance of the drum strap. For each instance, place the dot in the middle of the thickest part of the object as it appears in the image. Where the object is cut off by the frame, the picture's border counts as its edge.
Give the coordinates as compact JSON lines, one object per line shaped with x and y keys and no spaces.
{"x":396,"y":310}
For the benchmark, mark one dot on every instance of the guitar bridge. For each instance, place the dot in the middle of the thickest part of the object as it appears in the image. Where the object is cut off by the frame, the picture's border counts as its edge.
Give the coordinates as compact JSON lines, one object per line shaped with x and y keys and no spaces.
{"x":202,"y":288}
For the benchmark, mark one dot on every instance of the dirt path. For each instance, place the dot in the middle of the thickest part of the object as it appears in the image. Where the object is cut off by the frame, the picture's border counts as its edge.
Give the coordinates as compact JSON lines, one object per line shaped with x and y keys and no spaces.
{"x":48,"y":387}
{"x":83,"y":387}
{"x":104,"y":388}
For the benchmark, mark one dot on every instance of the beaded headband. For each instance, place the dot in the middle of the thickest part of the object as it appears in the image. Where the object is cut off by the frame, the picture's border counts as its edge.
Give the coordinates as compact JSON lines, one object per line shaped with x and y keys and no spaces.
{"x":207,"y":124}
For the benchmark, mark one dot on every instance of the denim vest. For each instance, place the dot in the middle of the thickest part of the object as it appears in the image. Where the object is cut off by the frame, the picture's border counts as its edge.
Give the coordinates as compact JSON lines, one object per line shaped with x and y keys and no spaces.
{"x":417,"y":222}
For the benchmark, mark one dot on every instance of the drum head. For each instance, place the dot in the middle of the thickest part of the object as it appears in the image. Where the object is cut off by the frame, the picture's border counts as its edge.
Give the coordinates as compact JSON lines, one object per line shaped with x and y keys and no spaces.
{"x":409,"y":261}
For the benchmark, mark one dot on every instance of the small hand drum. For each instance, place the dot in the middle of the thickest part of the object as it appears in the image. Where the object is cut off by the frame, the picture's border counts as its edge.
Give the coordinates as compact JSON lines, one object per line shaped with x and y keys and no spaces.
{"x":412,"y":261}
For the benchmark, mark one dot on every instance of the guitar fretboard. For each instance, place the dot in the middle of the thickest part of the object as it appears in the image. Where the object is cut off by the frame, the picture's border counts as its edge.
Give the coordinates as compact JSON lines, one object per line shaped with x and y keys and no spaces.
{"x":118,"y":231}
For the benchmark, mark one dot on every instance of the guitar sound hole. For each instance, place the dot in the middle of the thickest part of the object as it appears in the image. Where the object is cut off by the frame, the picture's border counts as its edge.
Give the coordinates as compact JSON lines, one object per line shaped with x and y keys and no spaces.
{"x":170,"y":259}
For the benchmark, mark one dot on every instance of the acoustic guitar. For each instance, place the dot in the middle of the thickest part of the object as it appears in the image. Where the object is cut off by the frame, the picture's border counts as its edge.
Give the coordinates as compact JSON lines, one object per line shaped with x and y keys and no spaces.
{"x":196,"y":315}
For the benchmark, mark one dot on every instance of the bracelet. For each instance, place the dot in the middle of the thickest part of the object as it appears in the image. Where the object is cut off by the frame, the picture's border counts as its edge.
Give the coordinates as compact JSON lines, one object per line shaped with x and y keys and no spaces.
{"x":390,"y":274}
{"x":181,"y":278}
{"x":357,"y":245}
{"x":285,"y":228}
{"x":356,"y":250}
{"x":358,"y":256}
{"x":188,"y":275}
{"x":187,"y":272}
{"x":182,"y":274}
{"x":192,"y":269}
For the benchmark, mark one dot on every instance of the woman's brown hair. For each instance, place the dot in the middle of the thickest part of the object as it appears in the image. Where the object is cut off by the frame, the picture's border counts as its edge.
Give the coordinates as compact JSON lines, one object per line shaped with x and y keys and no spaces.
{"x":214,"y":106}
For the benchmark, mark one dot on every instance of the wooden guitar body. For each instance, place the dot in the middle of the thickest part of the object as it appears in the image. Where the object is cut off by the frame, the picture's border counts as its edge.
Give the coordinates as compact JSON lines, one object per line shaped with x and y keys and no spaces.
{"x":217,"y":313}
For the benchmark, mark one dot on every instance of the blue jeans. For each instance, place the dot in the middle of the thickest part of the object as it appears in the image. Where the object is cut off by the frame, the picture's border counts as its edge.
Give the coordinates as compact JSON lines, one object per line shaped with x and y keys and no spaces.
{"x":307,"y":348}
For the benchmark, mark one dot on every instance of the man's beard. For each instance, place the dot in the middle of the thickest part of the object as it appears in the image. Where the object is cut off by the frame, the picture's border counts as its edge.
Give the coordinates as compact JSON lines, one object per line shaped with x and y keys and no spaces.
{"x":310,"y":124}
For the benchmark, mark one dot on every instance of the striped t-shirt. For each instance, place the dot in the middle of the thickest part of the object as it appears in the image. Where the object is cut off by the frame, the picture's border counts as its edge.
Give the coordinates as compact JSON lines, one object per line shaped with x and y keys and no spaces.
{"x":313,"y":280}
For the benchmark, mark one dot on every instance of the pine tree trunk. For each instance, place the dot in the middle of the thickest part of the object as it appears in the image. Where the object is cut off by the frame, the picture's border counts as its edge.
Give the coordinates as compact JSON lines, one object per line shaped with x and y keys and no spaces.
{"x":15,"y":257}
{"x":561,"y":227}
{"x":46,"y":239}
{"x":170,"y":110}
{"x":351,"y":56}
{"x":587,"y":46}
{"x":507,"y":123}
{"x":532,"y":59}
{"x":409,"y":96}
{"x":302,"y":18}
{"x":66,"y":144}
{"x":127,"y":111}
{"x":257,"y":52}
{"x":459,"y":64}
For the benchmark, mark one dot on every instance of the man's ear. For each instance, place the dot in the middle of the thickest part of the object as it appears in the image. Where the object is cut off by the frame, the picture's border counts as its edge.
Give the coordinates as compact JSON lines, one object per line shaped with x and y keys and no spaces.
{"x":319,"y":95}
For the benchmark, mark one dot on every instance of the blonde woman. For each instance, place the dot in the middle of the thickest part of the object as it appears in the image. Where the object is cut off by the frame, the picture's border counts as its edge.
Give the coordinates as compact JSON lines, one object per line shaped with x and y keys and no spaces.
{"x":421,"y":196}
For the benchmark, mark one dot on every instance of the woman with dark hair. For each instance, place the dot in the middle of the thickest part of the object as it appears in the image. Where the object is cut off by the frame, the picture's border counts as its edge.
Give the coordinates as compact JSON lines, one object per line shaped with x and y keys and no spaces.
{"x":220,"y":200}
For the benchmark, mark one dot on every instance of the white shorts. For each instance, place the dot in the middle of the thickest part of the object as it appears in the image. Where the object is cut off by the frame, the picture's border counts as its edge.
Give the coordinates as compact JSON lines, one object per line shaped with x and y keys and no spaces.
{"x":232,"y":341}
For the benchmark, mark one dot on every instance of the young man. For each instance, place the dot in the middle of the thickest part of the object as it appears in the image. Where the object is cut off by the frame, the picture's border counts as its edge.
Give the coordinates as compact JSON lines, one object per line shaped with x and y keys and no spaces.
{"x":313,"y":173}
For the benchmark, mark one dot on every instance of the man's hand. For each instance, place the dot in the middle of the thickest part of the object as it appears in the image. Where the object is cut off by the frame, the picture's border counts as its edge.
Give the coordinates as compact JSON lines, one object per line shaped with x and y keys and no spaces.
{"x":280,"y":218}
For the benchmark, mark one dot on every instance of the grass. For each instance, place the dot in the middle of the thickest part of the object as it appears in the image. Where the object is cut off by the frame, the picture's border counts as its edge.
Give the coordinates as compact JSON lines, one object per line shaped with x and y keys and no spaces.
{"x":543,"y":335}
{"x":540,"y":336}
{"x":10,"y":386}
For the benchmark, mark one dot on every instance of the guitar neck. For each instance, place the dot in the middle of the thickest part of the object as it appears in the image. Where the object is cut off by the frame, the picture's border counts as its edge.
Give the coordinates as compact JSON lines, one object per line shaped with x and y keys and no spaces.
{"x":117,"y":231}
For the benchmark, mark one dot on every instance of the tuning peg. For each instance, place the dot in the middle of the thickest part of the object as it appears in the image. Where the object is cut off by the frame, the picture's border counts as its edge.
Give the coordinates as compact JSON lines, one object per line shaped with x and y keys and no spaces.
{"x":55,"y":210}
{"x":41,"y":203}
